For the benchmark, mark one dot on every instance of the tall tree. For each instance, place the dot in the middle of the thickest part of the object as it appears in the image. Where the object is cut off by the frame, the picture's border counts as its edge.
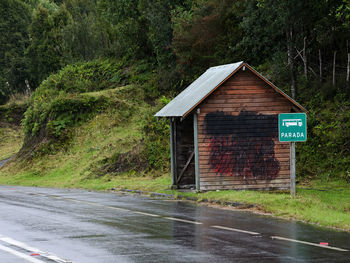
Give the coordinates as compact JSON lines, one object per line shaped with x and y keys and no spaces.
{"x":206,"y":34}
{"x":45,"y":51}
{"x":85,"y":36}
{"x":14,"y":20}
{"x":160,"y":32}
{"x":158,"y":15}
{"x":128,"y":26}
{"x":271,"y":27}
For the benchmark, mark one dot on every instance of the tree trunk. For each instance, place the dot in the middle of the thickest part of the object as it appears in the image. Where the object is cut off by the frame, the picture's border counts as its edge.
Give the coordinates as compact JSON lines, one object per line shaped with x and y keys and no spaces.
{"x":348,"y":70}
{"x":320,"y":60}
{"x":291,"y":62}
{"x":334,"y":60}
{"x":348,"y":66}
{"x":305,"y":59}
{"x":28,"y":89}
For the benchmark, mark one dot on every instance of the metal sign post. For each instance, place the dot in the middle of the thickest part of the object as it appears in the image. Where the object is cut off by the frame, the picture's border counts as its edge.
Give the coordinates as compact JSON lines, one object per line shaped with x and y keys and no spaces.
{"x":292,"y":128}
{"x":292,"y":169}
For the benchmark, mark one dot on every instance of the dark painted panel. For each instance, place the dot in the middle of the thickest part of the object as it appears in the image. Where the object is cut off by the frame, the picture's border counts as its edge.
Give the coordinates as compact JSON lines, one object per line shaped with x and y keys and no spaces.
{"x":234,"y":153}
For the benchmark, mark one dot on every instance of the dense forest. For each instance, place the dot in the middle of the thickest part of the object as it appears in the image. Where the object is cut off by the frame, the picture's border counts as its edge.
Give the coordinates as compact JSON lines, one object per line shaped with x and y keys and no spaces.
{"x":301,"y":46}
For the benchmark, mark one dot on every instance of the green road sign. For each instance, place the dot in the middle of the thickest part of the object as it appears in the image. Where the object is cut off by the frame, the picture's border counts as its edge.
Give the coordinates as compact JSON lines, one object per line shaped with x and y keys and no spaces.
{"x":292,"y":127}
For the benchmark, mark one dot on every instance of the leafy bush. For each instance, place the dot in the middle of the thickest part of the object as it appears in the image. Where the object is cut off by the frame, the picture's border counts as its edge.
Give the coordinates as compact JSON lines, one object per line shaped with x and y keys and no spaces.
{"x":74,"y":95}
{"x":327,"y":150}
{"x":85,"y":77}
{"x":156,"y":138}
{"x":12,"y":113}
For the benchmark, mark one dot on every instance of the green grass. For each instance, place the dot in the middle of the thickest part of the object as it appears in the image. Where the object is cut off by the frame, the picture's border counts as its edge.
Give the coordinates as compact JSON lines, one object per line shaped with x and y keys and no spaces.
{"x":11,"y":139}
{"x":329,"y":208}
{"x":103,"y":136}
{"x":325,"y":208}
{"x":97,"y":139}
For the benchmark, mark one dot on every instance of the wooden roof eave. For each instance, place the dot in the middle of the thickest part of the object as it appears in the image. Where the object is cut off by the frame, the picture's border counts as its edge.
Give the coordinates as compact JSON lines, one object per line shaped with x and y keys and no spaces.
{"x":193,"y":107}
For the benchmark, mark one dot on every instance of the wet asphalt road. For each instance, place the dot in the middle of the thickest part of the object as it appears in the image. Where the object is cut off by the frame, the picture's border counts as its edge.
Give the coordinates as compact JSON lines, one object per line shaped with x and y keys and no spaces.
{"x":82,"y":226}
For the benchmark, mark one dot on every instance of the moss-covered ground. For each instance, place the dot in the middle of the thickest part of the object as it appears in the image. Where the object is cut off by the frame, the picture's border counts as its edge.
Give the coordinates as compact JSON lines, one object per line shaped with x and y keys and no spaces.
{"x":11,"y":132}
{"x":11,"y":139}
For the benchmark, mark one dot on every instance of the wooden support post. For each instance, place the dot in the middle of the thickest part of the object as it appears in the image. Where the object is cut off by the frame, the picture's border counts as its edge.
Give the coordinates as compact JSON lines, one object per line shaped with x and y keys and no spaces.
{"x":292,"y":169}
{"x":173,"y":181}
{"x":196,"y":150}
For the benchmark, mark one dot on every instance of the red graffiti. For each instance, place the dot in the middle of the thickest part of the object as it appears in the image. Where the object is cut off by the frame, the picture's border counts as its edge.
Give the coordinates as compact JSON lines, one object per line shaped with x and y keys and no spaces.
{"x":249,"y":157}
{"x":243,"y":145}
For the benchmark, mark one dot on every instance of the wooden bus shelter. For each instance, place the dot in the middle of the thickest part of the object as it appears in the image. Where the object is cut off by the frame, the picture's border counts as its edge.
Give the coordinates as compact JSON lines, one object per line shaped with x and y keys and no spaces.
{"x":224,"y":131}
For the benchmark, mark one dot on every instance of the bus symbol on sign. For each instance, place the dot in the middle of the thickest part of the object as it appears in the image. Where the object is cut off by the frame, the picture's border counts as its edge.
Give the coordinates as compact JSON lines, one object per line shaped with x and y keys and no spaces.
{"x":292,"y":127}
{"x":292,"y":122}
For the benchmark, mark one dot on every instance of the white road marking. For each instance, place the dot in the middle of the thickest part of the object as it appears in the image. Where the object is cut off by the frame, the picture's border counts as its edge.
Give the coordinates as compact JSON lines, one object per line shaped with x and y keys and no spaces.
{"x":308,"y":243}
{"x":195,"y":222}
{"x":33,"y":249}
{"x":236,"y":230}
{"x":37,"y":194}
{"x":56,"y":197}
{"x":82,"y":202}
{"x":20,"y":255}
{"x":146,"y":214}
{"x":183,"y":220}
{"x":112,"y":207}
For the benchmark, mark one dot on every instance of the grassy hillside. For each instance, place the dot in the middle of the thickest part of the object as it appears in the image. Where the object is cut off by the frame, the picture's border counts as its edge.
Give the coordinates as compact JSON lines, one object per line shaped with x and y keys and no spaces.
{"x":11,"y":139}
{"x":108,"y":151}
{"x":91,"y":126}
{"x":85,"y":122}
{"x":11,"y":133}
{"x":90,"y":148}
{"x":326,"y":154}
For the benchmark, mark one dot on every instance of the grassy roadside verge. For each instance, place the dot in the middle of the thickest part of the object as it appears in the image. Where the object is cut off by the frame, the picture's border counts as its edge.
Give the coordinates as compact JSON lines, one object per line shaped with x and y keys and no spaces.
{"x":11,"y":132}
{"x":328,"y":208}
{"x":96,"y":141}
{"x":11,"y":139}
{"x":111,"y":139}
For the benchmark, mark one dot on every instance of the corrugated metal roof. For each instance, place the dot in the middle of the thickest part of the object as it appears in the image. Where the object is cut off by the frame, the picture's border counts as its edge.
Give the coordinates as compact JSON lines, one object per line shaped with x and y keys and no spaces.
{"x":198,"y":90}
{"x":202,"y":87}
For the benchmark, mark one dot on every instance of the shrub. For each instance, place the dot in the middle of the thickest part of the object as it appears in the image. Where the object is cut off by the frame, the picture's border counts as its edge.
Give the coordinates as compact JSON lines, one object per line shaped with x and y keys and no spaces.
{"x":156,"y":138}
{"x":74,"y":95}
{"x":327,"y":150}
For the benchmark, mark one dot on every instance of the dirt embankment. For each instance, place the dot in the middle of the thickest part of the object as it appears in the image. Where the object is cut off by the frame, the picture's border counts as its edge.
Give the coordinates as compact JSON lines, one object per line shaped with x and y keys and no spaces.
{"x":11,"y":132}
{"x":12,"y":115}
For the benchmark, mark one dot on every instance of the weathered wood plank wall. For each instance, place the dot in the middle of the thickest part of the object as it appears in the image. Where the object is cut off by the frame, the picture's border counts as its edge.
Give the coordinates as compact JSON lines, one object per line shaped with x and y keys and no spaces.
{"x":238,"y":136}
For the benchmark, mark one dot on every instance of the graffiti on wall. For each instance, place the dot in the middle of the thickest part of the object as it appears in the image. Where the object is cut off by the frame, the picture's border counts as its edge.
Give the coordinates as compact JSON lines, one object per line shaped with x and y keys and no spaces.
{"x":243,"y":145}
